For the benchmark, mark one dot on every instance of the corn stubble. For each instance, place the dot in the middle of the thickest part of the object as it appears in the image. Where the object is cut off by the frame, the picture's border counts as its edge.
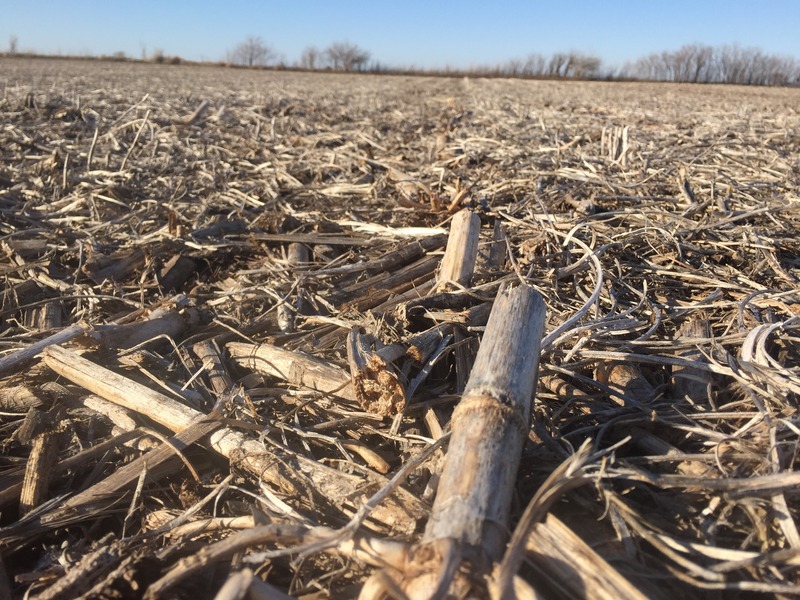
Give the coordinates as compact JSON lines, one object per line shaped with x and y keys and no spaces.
{"x":330,"y":335}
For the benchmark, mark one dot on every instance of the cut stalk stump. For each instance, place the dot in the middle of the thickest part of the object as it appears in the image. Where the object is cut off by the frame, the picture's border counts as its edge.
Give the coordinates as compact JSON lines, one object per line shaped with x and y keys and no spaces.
{"x":469,"y":519}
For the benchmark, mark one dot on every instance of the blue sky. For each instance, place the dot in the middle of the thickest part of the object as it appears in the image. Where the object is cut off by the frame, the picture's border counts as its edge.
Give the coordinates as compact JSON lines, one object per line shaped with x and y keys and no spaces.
{"x":402,"y":33}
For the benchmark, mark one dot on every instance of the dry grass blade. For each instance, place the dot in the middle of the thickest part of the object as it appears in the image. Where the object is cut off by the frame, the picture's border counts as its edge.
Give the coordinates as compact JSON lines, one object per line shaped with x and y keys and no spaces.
{"x":571,"y":474}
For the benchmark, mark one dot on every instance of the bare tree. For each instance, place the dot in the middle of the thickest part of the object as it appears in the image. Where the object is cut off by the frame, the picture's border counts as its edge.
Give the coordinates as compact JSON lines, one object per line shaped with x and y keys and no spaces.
{"x":535,"y":65}
{"x":252,"y":52}
{"x":734,"y":64}
{"x":558,"y":65}
{"x":658,"y":66}
{"x":13,"y":44}
{"x":727,"y":64}
{"x":703,"y":63}
{"x":690,"y":63}
{"x":333,"y":54}
{"x":311,"y":58}
{"x":572,"y":64}
{"x":346,"y":56}
{"x":582,"y":66}
{"x":514,"y":67}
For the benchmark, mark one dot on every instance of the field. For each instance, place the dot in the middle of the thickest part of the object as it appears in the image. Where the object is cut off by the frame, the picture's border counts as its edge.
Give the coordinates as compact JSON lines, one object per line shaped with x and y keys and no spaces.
{"x":259,"y":261}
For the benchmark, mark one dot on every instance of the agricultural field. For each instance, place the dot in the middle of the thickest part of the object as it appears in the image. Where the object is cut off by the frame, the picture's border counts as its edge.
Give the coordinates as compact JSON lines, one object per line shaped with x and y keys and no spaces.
{"x":240,"y":308}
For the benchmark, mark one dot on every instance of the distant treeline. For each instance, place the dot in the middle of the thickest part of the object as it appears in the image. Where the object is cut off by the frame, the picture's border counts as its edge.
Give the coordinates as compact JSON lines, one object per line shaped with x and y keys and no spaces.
{"x":692,"y":63}
{"x":696,"y":63}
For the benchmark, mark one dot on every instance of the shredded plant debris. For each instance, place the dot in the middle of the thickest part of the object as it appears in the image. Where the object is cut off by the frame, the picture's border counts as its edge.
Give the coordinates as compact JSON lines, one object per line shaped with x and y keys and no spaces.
{"x":239,"y":310}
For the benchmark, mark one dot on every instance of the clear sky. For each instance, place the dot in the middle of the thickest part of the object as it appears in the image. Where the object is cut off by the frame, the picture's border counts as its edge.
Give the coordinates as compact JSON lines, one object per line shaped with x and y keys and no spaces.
{"x":422,"y":33}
